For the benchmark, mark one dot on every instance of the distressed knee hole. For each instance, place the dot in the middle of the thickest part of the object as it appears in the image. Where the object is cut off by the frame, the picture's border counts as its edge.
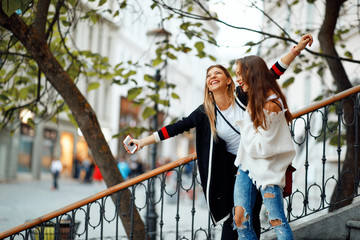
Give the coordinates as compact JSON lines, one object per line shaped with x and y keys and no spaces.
{"x":269,"y":195}
{"x":275,"y":222}
{"x":239,"y":216}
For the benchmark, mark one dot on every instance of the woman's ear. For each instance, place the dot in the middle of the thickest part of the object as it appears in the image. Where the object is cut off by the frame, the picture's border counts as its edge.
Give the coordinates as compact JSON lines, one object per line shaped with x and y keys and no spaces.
{"x":229,"y":81}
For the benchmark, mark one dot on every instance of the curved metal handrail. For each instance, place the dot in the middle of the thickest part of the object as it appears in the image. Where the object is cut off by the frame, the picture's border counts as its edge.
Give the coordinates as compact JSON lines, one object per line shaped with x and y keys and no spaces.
{"x":99,"y":195}
{"x":326,"y":101}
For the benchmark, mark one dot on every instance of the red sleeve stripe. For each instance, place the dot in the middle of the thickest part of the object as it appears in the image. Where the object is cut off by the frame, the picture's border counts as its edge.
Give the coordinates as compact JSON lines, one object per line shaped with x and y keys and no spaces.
{"x":276,"y":70}
{"x":165,"y":133}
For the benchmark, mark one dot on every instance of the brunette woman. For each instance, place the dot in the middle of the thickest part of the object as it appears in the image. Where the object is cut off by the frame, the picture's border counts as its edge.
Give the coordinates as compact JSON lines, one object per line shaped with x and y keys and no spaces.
{"x":266,"y":149}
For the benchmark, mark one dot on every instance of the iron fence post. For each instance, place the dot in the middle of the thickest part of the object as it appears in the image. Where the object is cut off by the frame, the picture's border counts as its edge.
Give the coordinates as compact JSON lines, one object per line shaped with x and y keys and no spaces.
{"x":152,"y":211}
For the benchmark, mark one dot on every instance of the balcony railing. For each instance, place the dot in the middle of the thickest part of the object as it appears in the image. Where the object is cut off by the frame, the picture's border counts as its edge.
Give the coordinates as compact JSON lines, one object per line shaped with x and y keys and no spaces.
{"x":181,"y":209}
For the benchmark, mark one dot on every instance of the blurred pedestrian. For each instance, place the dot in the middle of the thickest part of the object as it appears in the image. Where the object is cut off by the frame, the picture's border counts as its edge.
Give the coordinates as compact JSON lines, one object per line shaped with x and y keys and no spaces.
{"x":55,"y":168}
{"x":89,"y":166}
{"x":124,"y":168}
{"x":76,"y":166}
{"x":137,"y":167}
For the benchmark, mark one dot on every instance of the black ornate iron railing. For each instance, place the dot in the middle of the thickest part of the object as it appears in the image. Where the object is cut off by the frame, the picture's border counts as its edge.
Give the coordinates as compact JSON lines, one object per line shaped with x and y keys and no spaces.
{"x":178,"y":199}
{"x":325,"y":137}
{"x":176,"y":194}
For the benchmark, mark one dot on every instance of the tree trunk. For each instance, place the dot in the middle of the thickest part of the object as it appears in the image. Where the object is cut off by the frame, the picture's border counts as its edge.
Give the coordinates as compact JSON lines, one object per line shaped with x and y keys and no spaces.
{"x":83,"y":113}
{"x":344,"y":189}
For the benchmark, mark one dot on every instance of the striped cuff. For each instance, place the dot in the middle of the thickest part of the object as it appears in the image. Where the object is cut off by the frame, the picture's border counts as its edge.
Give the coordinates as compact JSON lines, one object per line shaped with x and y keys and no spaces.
{"x":157,"y":138}
{"x":278,"y":68}
{"x":283,"y":65}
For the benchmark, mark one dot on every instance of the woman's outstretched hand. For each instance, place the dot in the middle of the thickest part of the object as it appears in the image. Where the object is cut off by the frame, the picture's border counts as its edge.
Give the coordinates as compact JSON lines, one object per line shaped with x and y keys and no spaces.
{"x":131,"y":142}
{"x":305,"y":40}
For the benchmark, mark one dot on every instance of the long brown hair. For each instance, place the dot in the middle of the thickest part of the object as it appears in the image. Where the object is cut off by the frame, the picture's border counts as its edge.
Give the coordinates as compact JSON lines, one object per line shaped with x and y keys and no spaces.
{"x":209,"y":101}
{"x":260,"y":80}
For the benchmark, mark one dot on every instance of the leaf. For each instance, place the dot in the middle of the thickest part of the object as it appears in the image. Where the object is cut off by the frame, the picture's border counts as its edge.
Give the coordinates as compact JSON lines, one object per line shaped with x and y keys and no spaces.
{"x":133,"y":93}
{"x":320,"y":71}
{"x":72,"y":120}
{"x":288,"y":82}
{"x":170,"y":55}
{"x":21,"y":80}
{"x":161,"y":84}
{"x":185,"y":49}
{"x":94,"y":18}
{"x":201,"y":55}
{"x":148,"y":112}
{"x":318,"y":98}
{"x":102,"y":2}
{"x":199,"y":46}
{"x":166,"y":103}
{"x":212,"y":58}
{"x":30,"y":122}
{"x":23,"y":93}
{"x":157,"y":61}
{"x":10,"y":6}
{"x":123,"y":4}
{"x":175,"y":96}
{"x":93,"y":86}
{"x":4,"y":97}
{"x":185,"y":26}
{"x":295,"y":2}
{"x":130,"y":73}
{"x":149,"y":78}
{"x":251,"y":43}
{"x":348,"y":54}
{"x":297,"y":68}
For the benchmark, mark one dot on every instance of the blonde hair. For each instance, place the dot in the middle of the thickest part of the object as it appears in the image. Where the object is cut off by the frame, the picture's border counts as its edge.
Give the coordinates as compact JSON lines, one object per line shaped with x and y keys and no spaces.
{"x":209,"y":101}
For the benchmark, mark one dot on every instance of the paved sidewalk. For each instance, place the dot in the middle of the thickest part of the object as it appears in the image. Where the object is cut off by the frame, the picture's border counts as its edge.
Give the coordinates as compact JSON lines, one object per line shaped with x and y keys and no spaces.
{"x":26,"y":199}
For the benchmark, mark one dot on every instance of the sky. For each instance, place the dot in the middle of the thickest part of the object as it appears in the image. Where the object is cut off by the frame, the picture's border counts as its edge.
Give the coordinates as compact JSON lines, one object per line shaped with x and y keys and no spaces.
{"x":237,"y":13}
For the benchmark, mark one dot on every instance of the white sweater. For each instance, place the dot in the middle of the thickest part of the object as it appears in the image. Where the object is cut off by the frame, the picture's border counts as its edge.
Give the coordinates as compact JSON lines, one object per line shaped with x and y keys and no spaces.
{"x":265,"y":153}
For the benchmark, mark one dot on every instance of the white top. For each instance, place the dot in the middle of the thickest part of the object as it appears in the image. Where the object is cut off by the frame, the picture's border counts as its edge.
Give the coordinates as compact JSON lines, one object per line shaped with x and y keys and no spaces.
{"x":56,"y":165}
{"x":266,"y":154}
{"x":232,"y":139}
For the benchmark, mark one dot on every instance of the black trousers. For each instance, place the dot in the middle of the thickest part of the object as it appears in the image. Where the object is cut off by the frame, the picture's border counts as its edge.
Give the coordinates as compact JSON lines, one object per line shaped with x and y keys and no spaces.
{"x":227,"y":231}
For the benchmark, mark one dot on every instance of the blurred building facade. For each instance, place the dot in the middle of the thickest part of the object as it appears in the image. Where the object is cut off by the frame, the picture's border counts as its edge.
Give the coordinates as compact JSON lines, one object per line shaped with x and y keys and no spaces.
{"x":120,"y":39}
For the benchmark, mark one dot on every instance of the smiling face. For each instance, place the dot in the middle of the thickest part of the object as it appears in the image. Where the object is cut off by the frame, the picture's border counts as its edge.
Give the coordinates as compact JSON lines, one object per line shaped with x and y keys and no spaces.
{"x":239,"y":78}
{"x":217,"y":80}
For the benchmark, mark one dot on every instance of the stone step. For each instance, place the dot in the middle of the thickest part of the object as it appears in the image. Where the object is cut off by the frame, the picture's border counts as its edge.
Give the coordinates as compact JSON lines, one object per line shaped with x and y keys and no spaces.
{"x":354,"y":229}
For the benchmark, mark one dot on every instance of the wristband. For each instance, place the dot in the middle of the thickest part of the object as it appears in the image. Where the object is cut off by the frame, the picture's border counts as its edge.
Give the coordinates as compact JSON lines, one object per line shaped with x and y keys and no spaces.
{"x":296,"y":53}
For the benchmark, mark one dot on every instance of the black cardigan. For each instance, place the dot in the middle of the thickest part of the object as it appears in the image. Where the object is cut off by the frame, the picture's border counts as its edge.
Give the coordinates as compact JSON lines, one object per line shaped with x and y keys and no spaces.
{"x":219,"y":185}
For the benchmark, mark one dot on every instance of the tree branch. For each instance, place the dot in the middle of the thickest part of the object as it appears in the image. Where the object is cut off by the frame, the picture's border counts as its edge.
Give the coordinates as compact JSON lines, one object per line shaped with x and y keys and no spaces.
{"x":41,"y":13}
{"x":59,"y":4}
{"x":269,"y":35}
{"x":327,"y":44}
{"x":14,"y":54}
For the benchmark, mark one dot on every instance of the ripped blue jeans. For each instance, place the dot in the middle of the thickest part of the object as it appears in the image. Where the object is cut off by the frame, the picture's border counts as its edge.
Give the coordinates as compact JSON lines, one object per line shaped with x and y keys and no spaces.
{"x":244,"y":199}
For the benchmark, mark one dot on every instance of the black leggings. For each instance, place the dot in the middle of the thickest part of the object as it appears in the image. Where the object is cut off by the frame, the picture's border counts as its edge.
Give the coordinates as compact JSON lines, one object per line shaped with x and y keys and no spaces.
{"x":227,"y":231}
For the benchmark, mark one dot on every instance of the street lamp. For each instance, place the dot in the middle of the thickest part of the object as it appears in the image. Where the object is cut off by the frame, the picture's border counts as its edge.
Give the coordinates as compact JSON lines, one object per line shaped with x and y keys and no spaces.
{"x":152,"y":219}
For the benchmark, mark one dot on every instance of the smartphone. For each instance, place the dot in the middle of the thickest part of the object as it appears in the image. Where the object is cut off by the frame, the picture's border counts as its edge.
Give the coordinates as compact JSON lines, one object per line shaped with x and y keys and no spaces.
{"x":131,"y":146}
